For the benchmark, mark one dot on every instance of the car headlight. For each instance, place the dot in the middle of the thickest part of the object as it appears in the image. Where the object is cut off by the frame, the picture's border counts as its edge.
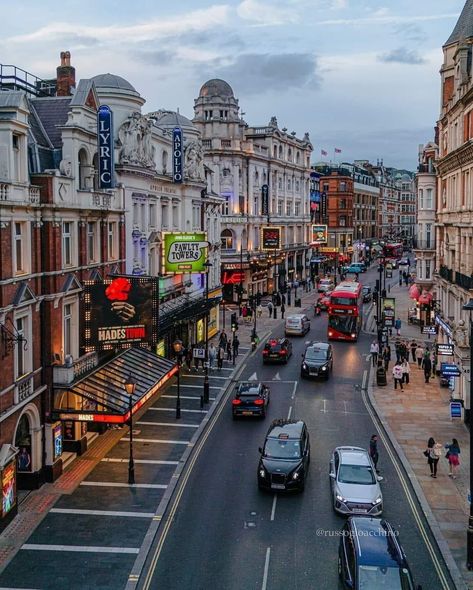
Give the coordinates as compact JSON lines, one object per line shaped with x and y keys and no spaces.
{"x":324,"y":368}
{"x":296,"y":474}
{"x":262,"y":472}
{"x":304,"y":366}
{"x":339,"y":497}
{"x":378,"y":500}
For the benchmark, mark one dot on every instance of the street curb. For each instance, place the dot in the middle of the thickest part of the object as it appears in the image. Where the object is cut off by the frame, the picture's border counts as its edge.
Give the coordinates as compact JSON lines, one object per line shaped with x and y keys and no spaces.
{"x":455,"y":573}
{"x":154,"y":528}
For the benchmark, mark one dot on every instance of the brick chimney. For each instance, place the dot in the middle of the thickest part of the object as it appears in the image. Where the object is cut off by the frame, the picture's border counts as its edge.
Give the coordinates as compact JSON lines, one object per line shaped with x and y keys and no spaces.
{"x":65,"y":76}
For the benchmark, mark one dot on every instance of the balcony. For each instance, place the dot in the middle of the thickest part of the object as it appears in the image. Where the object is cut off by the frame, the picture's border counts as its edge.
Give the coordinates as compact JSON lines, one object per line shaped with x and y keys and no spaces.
{"x":24,"y":388}
{"x":67,"y":374}
{"x":423,"y":244}
{"x":457,"y":278}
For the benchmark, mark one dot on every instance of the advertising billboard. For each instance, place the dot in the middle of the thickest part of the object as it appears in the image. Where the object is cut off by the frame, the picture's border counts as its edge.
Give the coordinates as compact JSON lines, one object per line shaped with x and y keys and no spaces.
{"x":319,"y":234}
{"x":105,"y":146}
{"x":184,"y":252}
{"x":120,"y":313}
{"x":8,"y":487}
{"x":388,"y":310}
{"x":57,"y":441}
{"x":270,"y":237}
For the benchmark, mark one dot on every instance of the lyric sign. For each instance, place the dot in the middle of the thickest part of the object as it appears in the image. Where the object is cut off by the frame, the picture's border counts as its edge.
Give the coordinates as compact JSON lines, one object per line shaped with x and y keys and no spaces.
{"x":105,"y":146}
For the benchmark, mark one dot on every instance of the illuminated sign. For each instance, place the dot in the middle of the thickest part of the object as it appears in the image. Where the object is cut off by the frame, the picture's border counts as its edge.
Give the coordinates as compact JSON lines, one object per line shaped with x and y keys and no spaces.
{"x":265,"y":200}
{"x":57,"y":441}
{"x":445,"y":349}
{"x":120,"y":313}
{"x":232,"y":277}
{"x":184,"y":252}
{"x":177,"y":154}
{"x":8,"y":487}
{"x":319,"y":234}
{"x":270,"y":237}
{"x":105,"y":146}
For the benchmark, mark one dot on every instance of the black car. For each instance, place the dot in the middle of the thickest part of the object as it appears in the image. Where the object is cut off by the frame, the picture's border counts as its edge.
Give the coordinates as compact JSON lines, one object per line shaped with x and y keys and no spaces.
{"x":251,"y":399}
{"x":367,"y":292}
{"x":370,"y":556}
{"x":285,"y":457}
{"x":277,"y":350}
{"x":317,"y":360}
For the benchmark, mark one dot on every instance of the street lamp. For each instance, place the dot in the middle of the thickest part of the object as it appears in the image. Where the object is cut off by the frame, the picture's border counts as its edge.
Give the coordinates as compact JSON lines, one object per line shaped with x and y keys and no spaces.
{"x":469,"y":534}
{"x":130,"y":386}
{"x":177,"y":345}
{"x":240,"y":286}
{"x":206,"y":377}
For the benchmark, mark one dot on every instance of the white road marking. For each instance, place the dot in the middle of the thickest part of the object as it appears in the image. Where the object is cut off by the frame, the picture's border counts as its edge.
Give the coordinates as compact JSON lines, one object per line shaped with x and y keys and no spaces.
{"x":102,"y":512}
{"x":113,"y":484}
{"x":365,"y":378}
{"x":345,"y":405}
{"x":157,"y":441}
{"x":324,"y":409}
{"x":289,"y":413}
{"x":174,"y":409}
{"x":143,"y":461}
{"x":277,"y":377}
{"x":79,"y":548}
{"x":185,"y":397}
{"x":211,"y":376}
{"x":266,"y":569}
{"x":307,"y":342}
{"x":273,"y":509}
{"x":177,"y":424}
{"x":294,"y":390}
{"x":194,"y":386}
{"x":253,"y":377}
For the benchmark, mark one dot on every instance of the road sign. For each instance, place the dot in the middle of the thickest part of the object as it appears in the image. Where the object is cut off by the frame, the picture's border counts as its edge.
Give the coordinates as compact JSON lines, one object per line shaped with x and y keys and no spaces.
{"x":445,"y":349}
{"x":429,"y":330}
{"x":455,"y":410}
{"x":449,"y":370}
{"x":199,"y":353}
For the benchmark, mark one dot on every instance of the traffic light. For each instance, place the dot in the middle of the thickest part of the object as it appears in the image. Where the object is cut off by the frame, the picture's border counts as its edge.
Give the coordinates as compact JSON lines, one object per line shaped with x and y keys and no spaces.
{"x":234,"y":322}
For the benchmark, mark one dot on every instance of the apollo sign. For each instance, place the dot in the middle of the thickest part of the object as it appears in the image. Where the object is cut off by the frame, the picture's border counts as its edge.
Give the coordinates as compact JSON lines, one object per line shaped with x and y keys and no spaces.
{"x":177,"y":154}
{"x":105,"y":146}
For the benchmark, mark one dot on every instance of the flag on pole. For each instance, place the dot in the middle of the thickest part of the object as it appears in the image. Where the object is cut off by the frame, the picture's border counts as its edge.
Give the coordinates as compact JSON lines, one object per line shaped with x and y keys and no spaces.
{"x":323,"y":153}
{"x":337,"y":151}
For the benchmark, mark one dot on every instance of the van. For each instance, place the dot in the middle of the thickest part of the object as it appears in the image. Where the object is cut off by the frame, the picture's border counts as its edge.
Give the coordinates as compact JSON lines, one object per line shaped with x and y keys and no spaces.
{"x":297,"y":325}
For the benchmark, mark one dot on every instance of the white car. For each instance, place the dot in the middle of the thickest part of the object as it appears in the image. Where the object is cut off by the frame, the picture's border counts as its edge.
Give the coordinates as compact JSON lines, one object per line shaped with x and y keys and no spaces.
{"x":325,"y":285}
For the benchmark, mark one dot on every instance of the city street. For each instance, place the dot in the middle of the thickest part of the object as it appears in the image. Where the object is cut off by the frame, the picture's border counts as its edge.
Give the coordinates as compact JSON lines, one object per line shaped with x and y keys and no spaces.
{"x":224,"y":533}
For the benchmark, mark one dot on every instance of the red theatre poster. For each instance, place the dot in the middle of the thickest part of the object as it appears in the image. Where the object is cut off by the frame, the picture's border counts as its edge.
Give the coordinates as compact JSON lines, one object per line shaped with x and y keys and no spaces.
{"x":120,"y":313}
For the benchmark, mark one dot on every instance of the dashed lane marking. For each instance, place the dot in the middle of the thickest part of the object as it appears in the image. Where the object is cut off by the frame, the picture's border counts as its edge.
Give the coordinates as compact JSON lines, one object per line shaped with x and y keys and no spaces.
{"x":273,"y":509}
{"x":266,"y":569}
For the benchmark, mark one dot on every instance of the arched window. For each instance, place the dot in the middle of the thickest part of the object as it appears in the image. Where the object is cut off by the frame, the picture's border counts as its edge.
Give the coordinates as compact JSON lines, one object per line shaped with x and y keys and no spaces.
{"x":280,"y":182}
{"x":280,"y":152}
{"x":226,"y":239}
{"x":275,"y":151}
{"x":289,"y":184}
{"x":289,"y":155}
{"x":24,"y":443}
{"x":298,"y":157}
{"x":165,"y":161}
{"x":83,"y":169}
{"x":95,"y":163}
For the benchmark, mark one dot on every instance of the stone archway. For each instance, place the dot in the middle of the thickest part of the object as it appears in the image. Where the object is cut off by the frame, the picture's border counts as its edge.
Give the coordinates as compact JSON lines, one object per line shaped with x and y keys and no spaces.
{"x":27,"y":439}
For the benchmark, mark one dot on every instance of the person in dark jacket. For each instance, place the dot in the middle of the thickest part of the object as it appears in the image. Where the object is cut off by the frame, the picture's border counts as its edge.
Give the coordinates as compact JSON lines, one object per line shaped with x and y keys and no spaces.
{"x":413,"y":350}
{"x":427,"y":365}
{"x":374,"y":451}
{"x":386,"y":357}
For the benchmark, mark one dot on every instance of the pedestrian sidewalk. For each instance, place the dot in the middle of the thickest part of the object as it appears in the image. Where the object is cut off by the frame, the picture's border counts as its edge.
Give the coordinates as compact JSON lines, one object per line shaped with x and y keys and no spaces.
{"x":412,"y":416}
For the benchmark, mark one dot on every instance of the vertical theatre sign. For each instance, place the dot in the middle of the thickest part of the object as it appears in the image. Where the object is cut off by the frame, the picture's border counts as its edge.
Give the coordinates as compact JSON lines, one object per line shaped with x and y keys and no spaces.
{"x":265,"y":200}
{"x":105,"y":146}
{"x":177,"y":154}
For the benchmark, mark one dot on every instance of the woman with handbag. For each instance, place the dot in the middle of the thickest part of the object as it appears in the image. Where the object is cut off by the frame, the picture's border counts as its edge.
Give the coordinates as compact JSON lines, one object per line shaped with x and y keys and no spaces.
{"x":453,"y":456}
{"x":433,"y":452}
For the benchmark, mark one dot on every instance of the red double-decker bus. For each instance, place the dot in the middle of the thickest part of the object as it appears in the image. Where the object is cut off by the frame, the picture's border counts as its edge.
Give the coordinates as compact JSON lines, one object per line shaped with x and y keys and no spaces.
{"x":345,"y":311}
{"x":393,"y":251}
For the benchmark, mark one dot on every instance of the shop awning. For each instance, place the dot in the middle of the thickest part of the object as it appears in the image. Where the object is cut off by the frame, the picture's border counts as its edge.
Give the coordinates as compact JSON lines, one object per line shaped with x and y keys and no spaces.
{"x":103,"y":394}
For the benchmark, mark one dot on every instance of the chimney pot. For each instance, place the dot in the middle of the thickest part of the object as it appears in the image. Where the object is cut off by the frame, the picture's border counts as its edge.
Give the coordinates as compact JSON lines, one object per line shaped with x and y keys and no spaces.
{"x":65,"y":75}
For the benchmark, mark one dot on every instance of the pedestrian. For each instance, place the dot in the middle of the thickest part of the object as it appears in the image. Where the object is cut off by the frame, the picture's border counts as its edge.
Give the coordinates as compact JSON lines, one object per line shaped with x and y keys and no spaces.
{"x":220,"y":356}
{"x":374,"y":350}
{"x":398,"y":375}
{"x":433,"y":452}
{"x":235,"y":346}
{"x":406,"y":370}
{"x":397,"y":350}
{"x":397,"y":326}
{"x":222,"y":341}
{"x":434,"y":363}
{"x":212,"y":355}
{"x":406,"y":278}
{"x":419,"y":355}
{"x":400,"y":278}
{"x":270,"y":309}
{"x":427,"y":364}
{"x":374,"y":451}
{"x":413,"y":350}
{"x":189,"y":357}
{"x":259,"y":310}
{"x":453,"y":456}
{"x":244,"y":311}
{"x":386,"y":356}
{"x":229,"y":351}
{"x":283,"y":309}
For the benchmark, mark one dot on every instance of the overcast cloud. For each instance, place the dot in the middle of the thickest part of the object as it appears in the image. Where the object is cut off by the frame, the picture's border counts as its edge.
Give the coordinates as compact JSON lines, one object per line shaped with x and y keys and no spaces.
{"x":336,"y":68}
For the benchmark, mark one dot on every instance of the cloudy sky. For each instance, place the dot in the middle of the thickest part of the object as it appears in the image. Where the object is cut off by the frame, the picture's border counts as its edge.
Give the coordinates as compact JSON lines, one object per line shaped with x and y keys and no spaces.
{"x":359,"y":75}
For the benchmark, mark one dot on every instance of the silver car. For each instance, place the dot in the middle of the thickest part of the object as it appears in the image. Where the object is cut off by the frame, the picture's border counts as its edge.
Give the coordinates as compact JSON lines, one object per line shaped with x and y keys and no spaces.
{"x":354,"y":483}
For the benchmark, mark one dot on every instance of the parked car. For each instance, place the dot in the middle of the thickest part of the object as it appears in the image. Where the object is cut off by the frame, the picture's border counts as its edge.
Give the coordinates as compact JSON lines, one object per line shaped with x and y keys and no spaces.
{"x":367,"y":293}
{"x":317,"y":360}
{"x":370,"y":556}
{"x":251,"y":399}
{"x":325,"y":285}
{"x":354,"y":483}
{"x":285,"y":457}
{"x":277,"y":350}
{"x":297,"y":325}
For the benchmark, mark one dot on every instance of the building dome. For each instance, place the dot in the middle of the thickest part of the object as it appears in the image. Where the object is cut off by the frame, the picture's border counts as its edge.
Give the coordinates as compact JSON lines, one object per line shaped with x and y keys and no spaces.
{"x":216,"y":87}
{"x":171,"y":119}
{"x":112,"y":81}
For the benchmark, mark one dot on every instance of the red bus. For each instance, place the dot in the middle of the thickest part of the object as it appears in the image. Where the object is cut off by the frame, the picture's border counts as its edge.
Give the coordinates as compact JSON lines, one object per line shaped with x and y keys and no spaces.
{"x":345,"y":311}
{"x":393,"y":251}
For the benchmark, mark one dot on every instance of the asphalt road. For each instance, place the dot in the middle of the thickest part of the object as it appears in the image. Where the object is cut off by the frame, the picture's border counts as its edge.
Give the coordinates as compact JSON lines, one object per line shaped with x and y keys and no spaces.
{"x":226,"y":534}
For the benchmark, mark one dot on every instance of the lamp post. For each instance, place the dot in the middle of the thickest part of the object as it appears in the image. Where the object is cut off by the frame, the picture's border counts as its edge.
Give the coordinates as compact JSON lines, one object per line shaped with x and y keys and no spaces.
{"x":206,"y":374}
{"x":240,"y":286}
{"x":177,"y":345}
{"x":130,"y":386}
{"x":469,"y":534}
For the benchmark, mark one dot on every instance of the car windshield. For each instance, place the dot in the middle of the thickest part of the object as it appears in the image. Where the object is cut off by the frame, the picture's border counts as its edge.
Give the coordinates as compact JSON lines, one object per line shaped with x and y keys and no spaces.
{"x":315,"y":354}
{"x":372,"y":577}
{"x":248,"y":391}
{"x":342,"y":300}
{"x":366,"y":289}
{"x":277,"y":448}
{"x":357,"y":474}
{"x":343,"y":323}
{"x":273,"y":346}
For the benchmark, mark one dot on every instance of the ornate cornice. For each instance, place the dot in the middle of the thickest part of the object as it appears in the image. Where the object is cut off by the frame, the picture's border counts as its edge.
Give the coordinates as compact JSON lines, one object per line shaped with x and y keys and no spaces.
{"x":456,"y":159}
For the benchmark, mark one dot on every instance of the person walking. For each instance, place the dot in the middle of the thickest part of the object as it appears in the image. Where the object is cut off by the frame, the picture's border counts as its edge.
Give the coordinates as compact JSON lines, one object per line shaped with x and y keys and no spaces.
{"x":189,"y":357}
{"x":406,"y":370}
{"x":259,"y":310}
{"x":386,"y":357}
{"x":397,"y":350}
{"x":413,"y":350}
{"x":400,"y":277}
{"x":398,"y":375}
{"x":270,"y":309}
{"x":374,"y":451}
{"x":453,"y":456}
{"x":406,"y":278}
{"x":419,"y":355}
{"x":220,"y":357}
{"x":235,"y":346}
{"x":374,"y":350}
{"x":212,"y":355}
{"x":222,"y":341}
{"x":397,"y":326}
{"x":427,"y":364}
{"x":433,"y":452}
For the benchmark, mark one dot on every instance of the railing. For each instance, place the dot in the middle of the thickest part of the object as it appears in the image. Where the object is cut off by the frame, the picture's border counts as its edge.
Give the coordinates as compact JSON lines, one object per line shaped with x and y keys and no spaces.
{"x":446,"y":273}
{"x":67,"y":374}
{"x":4,"y":192}
{"x":23,"y":388}
{"x":34,"y":194}
{"x":226,"y":143}
{"x":457,"y":278}
{"x":207,"y":143}
{"x":102,"y":200}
